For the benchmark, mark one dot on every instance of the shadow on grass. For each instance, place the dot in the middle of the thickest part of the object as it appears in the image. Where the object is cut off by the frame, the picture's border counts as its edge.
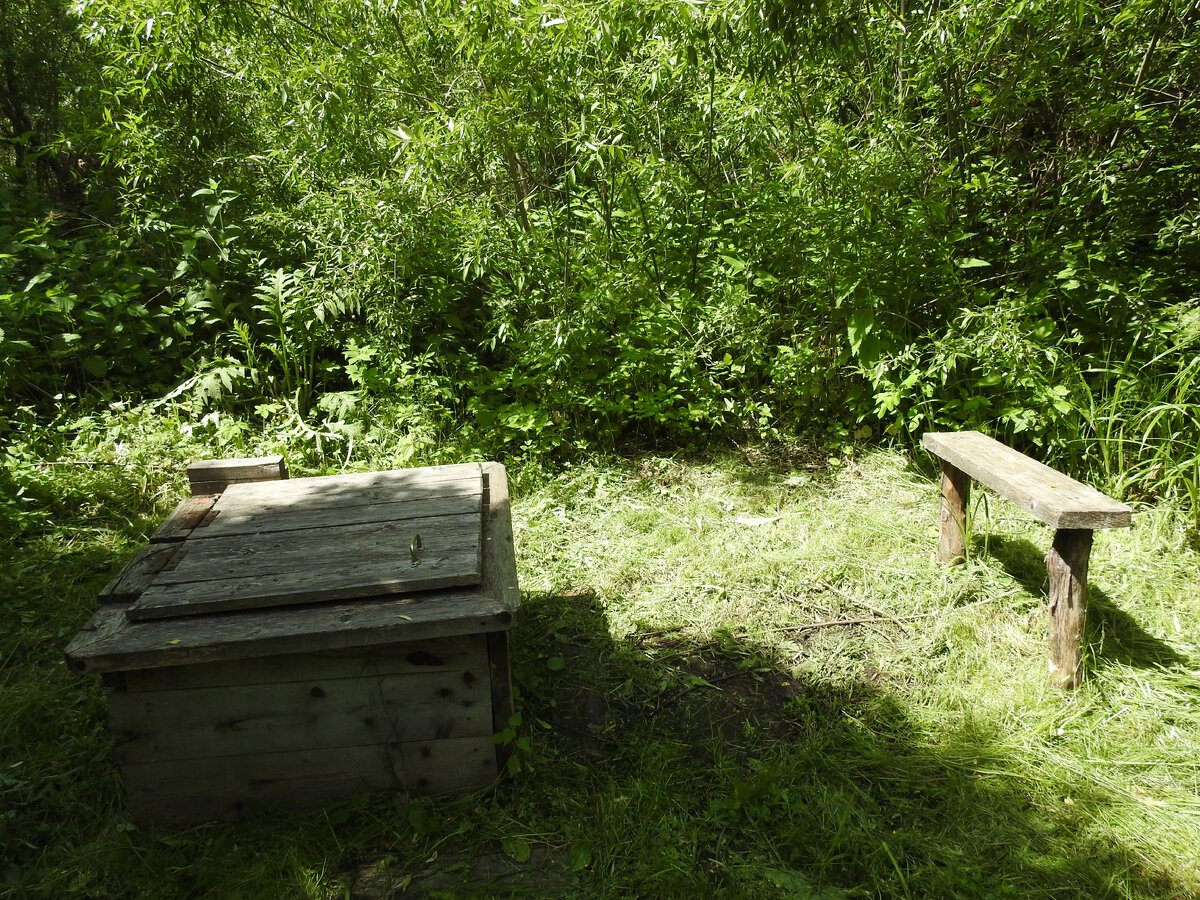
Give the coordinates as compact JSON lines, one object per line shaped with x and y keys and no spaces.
{"x":703,"y":768}
{"x":1115,"y":637}
{"x":64,"y":532}
{"x":657,"y":766}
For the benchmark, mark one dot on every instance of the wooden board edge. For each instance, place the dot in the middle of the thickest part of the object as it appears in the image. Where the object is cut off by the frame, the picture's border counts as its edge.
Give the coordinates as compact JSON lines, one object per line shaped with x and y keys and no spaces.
{"x":186,"y":515}
{"x":138,"y":574}
{"x":451,"y":653}
{"x":146,"y":610}
{"x":104,"y":645}
{"x":212,"y":476}
{"x":499,"y":564}
{"x":500,"y":671}
{"x":1110,"y":519}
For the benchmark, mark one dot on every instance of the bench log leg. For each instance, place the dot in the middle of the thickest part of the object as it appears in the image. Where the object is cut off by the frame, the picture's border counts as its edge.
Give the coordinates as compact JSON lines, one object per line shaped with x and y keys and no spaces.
{"x":952,"y":518}
{"x":1067,"y":565}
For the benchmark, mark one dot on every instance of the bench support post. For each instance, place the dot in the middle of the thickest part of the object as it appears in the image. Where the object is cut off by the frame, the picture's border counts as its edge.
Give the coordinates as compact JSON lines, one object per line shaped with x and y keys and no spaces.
{"x":952,"y":518}
{"x":1067,"y":565}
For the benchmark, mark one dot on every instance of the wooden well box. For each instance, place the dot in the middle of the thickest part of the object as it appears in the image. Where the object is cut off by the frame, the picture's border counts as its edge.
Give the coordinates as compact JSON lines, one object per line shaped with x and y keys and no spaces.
{"x":287,"y":642}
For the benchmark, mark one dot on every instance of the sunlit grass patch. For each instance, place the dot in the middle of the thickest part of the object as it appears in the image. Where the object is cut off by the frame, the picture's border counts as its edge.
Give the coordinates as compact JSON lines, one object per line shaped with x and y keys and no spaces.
{"x":836,"y":581}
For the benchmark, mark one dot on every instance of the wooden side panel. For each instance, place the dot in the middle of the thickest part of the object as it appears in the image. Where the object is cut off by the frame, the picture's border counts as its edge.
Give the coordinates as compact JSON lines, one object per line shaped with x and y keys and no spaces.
{"x":212,"y":476}
{"x":502,"y":693}
{"x":190,"y":791}
{"x":499,"y":581}
{"x":462,"y":653}
{"x":318,"y":713}
{"x":218,"y":740}
{"x":499,"y":556}
{"x":501,"y":679}
{"x":1056,"y":499}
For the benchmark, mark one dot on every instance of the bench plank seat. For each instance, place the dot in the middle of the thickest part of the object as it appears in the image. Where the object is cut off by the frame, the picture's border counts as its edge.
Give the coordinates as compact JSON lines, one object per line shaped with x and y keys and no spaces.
{"x":1052,"y":497}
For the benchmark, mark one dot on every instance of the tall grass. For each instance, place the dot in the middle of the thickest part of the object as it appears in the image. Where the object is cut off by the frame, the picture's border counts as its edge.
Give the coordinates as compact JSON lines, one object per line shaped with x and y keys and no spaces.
{"x":1146,"y":427}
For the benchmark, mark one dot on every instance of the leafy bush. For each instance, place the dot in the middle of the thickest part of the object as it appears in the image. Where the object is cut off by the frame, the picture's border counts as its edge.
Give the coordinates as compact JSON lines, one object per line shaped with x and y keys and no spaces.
{"x":81,"y":307}
{"x":594,"y":223}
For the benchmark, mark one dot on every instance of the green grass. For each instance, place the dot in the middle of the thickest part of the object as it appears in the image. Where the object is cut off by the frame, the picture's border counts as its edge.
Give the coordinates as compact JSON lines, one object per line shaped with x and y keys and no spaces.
{"x":738,"y":676}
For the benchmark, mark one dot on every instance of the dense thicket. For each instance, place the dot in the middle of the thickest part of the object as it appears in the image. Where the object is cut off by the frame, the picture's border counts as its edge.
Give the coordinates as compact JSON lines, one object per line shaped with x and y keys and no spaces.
{"x":580,"y":222}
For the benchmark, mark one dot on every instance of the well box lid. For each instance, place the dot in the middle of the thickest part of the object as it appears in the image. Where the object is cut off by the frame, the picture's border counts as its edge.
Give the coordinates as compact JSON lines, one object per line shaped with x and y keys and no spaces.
{"x":305,"y":540}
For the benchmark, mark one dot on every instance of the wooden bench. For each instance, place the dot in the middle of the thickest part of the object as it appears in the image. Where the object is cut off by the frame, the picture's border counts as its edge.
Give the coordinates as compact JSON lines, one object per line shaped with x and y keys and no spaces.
{"x":1072,"y":508}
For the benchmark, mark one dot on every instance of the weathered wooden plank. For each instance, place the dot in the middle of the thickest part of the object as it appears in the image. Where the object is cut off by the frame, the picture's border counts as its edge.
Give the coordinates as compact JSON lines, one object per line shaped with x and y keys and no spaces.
{"x":1051,"y":496}
{"x":314,"y":713}
{"x":253,"y":572}
{"x":358,"y":488}
{"x":104,"y":629}
{"x":212,"y":476}
{"x":499,"y":580}
{"x":1067,"y":565}
{"x":112,"y":642}
{"x":179,"y":524}
{"x":138,"y":573}
{"x":458,"y":653}
{"x":229,"y":788}
{"x":502,"y":693}
{"x":234,"y":518}
{"x":499,"y":563}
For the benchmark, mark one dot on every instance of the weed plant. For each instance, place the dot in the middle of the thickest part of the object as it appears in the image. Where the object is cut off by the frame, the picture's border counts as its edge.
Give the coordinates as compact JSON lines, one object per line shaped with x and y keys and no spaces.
{"x":739,"y":675}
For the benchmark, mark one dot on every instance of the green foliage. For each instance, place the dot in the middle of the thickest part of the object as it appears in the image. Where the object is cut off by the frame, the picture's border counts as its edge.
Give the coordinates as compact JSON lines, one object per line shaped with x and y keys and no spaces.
{"x":81,"y":308}
{"x":385,"y":233}
{"x":625,"y":221}
{"x":1145,"y":426}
